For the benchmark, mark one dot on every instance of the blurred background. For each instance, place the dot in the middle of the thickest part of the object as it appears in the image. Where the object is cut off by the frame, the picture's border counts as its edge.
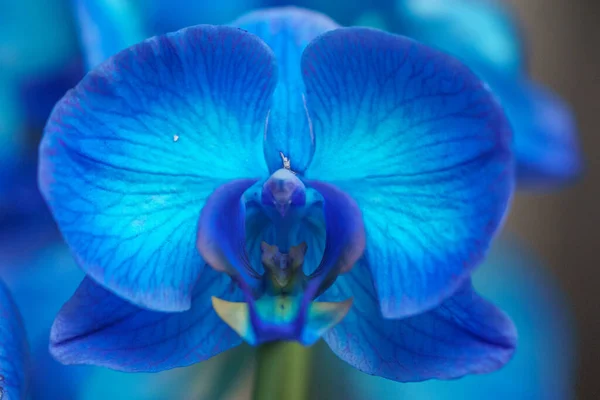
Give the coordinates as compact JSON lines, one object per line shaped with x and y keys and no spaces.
{"x":563,"y":38}
{"x":544,"y":270}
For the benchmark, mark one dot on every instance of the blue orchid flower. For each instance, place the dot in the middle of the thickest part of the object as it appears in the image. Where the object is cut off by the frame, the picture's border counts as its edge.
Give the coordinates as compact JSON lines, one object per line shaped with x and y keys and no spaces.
{"x":484,"y":35}
{"x":14,"y":351}
{"x":213,"y":183}
{"x":542,"y":368}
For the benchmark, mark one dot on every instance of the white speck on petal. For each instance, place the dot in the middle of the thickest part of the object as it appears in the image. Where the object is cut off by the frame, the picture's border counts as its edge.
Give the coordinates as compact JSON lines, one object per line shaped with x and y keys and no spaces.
{"x":175,"y":138}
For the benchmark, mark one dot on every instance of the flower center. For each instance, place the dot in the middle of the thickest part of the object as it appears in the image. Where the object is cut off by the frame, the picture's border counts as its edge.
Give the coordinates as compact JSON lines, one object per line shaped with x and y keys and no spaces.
{"x":285,"y":241}
{"x":282,"y":311}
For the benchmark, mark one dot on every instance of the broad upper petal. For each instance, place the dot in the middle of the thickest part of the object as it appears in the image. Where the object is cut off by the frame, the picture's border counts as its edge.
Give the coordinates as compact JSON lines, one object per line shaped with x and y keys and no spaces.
{"x":423,"y":148}
{"x":14,"y":351}
{"x":464,"y":335}
{"x":96,"y":327}
{"x":130,"y":155}
{"x":287,"y":31}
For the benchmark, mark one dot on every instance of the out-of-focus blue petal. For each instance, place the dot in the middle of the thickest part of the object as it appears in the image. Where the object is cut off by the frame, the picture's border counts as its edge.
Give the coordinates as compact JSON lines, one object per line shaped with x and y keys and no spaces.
{"x":45,"y":47}
{"x":484,"y":36}
{"x":52,"y":380}
{"x":542,"y":367}
{"x":130,"y":155}
{"x":48,"y":42}
{"x":464,"y":335}
{"x":481,"y":32}
{"x":171,"y":15}
{"x":107,"y":27}
{"x":345,"y":12}
{"x":372,"y":19}
{"x":28,"y":277}
{"x":287,"y":31}
{"x":545,"y":133}
{"x":43,"y":51}
{"x":14,"y":351}
{"x":42,"y":276}
{"x":97,"y":327}
{"x":221,"y":234}
{"x":420,"y":143}
{"x":11,"y":142}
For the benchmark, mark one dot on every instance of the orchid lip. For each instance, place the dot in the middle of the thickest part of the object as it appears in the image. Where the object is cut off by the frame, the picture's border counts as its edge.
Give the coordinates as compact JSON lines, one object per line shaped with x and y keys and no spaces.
{"x":282,"y":312}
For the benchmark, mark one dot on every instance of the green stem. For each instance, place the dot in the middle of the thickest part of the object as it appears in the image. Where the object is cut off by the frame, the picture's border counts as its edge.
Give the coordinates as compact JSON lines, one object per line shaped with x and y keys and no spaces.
{"x":282,"y":372}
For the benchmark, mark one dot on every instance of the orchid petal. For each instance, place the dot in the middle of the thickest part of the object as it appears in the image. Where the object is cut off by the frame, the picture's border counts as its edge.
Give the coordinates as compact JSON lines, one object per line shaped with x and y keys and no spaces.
{"x":99,"y":328}
{"x":221,"y":233}
{"x":130,"y":155}
{"x":546,"y":148}
{"x":464,"y":335}
{"x":424,"y":149}
{"x":344,"y":241}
